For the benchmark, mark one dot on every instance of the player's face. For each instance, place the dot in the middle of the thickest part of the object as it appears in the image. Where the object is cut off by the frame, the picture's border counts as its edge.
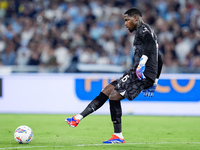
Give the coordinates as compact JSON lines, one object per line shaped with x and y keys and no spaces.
{"x":130,"y":22}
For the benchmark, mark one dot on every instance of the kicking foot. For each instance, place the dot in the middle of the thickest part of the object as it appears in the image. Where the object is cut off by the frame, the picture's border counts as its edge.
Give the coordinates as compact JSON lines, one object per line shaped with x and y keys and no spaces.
{"x":72,"y":122}
{"x":114,"y":139}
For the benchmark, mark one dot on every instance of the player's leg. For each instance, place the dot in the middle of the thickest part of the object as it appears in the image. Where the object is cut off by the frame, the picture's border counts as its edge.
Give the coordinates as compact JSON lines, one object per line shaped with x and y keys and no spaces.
{"x":129,"y":86}
{"x":116,"y":114}
{"x":93,"y":105}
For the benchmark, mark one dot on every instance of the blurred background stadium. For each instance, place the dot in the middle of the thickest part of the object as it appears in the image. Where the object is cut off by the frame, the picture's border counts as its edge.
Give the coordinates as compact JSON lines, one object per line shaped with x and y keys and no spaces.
{"x":84,"y":35}
{"x":57,"y":55}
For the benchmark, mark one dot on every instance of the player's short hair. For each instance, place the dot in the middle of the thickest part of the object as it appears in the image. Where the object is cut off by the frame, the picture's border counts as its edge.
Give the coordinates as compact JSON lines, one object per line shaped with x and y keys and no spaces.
{"x":133,"y":11}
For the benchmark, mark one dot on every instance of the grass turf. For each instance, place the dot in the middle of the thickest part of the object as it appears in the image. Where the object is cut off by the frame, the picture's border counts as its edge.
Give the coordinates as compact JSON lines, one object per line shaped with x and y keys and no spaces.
{"x":140,"y":132}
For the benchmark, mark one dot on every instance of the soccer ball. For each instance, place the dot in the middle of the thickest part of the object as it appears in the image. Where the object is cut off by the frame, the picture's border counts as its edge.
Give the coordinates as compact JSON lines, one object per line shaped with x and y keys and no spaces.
{"x":23,"y":134}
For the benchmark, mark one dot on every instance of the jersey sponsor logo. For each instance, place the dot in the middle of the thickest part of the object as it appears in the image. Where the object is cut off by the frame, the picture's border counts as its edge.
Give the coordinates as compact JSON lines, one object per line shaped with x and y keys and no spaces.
{"x":174,"y":90}
{"x":150,"y":31}
{"x":145,"y":30}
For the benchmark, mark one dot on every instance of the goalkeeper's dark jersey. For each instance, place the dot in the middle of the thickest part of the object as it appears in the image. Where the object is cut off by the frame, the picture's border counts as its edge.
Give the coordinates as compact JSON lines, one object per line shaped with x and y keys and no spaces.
{"x":145,"y":43}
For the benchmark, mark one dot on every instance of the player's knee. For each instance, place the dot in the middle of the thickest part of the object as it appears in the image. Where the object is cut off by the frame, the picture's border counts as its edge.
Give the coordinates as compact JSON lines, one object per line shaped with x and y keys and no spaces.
{"x":108,"y":89}
{"x":115,"y":96}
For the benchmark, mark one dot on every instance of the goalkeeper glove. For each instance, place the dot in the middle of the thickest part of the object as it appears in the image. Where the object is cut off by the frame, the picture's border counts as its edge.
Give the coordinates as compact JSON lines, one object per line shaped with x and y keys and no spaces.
{"x":141,"y":67}
{"x":150,"y":91}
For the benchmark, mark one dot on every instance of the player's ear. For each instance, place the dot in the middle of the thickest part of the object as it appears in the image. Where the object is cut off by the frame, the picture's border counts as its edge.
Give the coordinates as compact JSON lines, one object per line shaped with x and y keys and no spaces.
{"x":135,"y":18}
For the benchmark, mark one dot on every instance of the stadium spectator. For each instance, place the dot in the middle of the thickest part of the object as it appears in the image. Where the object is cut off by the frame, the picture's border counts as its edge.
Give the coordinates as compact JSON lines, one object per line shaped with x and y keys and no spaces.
{"x":95,"y":25}
{"x":9,"y":55}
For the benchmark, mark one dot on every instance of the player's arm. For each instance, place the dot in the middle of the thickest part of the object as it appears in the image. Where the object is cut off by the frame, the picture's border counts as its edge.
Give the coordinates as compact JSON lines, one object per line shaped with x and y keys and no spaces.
{"x":148,"y":47}
{"x":150,"y":91}
{"x":160,"y":64}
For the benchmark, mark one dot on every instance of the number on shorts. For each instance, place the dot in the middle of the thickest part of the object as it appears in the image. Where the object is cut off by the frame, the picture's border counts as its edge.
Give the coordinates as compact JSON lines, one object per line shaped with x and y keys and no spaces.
{"x":125,"y":78}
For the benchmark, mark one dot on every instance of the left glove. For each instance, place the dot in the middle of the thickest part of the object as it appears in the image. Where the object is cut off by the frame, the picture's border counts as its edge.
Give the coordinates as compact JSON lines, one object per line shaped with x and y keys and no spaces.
{"x":150,"y":91}
{"x":141,"y":67}
{"x":139,"y":72}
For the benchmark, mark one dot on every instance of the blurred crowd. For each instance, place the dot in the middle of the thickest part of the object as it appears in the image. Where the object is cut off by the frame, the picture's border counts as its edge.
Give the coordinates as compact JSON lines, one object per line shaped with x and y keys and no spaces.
{"x":58,"y":34}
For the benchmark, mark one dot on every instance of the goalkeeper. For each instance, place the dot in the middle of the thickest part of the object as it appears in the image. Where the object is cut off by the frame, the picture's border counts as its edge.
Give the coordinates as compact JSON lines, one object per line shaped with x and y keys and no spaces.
{"x":142,"y":77}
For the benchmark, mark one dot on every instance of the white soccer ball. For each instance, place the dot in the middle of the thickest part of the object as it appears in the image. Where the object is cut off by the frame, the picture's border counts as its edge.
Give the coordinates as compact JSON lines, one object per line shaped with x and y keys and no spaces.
{"x":23,"y":134}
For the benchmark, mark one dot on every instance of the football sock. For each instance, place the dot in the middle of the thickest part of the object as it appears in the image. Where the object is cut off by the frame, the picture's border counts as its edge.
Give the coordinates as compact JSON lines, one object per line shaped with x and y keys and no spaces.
{"x":95,"y":104}
{"x":117,"y":127}
{"x":116,"y":114}
{"x":78,"y":116}
{"x":119,"y":135}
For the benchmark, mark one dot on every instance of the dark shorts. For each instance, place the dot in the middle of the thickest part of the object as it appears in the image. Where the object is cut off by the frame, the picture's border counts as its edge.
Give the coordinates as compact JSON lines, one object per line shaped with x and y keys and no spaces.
{"x":130,"y":86}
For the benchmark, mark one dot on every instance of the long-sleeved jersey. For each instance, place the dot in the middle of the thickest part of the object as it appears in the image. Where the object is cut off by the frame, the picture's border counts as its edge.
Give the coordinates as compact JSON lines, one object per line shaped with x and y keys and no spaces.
{"x":145,"y":43}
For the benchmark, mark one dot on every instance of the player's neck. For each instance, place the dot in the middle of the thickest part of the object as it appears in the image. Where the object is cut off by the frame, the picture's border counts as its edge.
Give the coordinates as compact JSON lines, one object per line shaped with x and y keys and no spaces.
{"x":140,"y":22}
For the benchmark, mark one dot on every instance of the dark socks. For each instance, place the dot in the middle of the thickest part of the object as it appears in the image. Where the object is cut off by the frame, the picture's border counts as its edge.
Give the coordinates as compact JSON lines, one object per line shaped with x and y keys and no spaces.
{"x":116,"y":114}
{"x":95,"y":104}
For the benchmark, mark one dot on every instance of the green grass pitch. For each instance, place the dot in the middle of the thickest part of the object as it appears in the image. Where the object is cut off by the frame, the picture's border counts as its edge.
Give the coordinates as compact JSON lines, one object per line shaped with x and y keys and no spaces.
{"x":51,"y":132}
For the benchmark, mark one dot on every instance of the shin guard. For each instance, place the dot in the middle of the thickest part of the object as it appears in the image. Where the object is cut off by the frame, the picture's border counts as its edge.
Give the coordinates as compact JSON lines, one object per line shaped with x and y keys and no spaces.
{"x":95,"y":104}
{"x":116,"y":114}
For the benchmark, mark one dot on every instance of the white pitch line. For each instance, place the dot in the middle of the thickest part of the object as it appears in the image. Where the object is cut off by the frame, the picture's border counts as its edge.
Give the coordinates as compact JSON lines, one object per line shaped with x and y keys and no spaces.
{"x":5,"y":148}
{"x":24,"y":147}
{"x":141,"y":143}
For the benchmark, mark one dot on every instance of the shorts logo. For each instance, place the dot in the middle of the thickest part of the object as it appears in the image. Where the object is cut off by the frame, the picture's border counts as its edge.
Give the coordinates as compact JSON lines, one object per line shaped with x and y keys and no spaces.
{"x":122,"y":93}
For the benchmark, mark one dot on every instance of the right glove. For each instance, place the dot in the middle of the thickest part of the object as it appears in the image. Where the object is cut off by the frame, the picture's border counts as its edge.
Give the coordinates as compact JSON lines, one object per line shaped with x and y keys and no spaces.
{"x":150,"y":91}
